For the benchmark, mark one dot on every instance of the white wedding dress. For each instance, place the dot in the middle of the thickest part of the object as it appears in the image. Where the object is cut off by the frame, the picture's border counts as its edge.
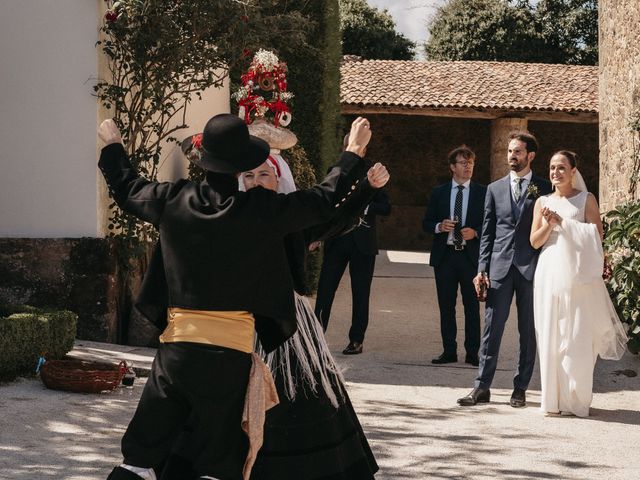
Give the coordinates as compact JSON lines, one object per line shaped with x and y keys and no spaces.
{"x":575,"y":320}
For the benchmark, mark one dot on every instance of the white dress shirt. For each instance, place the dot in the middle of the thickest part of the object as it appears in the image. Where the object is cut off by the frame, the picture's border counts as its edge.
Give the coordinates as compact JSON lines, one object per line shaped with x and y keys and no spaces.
{"x":523,"y":186}
{"x":452,"y":206}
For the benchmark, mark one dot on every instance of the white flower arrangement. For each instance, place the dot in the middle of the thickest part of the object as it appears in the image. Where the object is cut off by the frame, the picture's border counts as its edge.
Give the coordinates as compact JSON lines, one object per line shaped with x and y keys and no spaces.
{"x":284,"y":96}
{"x":268,"y":60}
{"x":242,"y":92}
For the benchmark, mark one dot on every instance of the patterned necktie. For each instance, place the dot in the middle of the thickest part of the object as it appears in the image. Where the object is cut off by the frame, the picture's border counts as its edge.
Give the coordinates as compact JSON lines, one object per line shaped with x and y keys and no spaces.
{"x":517,"y":192}
{"x":457,"y":212}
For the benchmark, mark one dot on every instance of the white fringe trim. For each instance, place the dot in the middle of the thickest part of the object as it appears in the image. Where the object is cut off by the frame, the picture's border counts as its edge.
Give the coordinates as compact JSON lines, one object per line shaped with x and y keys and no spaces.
{"x":315,"y":364}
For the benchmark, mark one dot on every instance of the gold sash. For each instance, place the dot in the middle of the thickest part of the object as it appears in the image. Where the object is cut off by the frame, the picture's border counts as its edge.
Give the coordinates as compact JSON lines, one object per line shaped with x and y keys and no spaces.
{"x":230,"y":329}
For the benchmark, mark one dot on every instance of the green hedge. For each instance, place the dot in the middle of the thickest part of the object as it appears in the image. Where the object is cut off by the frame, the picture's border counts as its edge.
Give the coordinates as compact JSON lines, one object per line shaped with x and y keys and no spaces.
{"x":26,"y":332}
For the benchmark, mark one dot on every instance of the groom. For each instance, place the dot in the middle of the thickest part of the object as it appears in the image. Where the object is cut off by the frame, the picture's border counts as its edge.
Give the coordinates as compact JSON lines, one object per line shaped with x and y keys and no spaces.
{"x":506,"y":266}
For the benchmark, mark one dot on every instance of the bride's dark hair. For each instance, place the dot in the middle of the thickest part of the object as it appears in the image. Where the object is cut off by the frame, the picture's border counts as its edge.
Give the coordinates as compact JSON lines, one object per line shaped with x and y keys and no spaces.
{"x":569,"y":155}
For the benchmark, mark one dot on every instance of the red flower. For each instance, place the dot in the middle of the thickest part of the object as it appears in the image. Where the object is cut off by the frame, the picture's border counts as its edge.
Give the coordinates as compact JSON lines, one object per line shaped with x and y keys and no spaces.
{"x":111,"y":16}
{"x":196,"y":141}
{"x":246,"y":52}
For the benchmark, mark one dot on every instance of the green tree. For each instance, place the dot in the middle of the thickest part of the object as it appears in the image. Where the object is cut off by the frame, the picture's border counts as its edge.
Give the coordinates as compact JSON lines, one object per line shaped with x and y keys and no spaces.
{"x":552,"y":31}
{"x":569,"y":29}
{"x":371,"y":33}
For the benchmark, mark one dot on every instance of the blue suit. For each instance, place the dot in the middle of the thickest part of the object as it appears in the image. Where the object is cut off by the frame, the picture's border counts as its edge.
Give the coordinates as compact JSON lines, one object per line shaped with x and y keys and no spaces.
{"x":507,"y":256}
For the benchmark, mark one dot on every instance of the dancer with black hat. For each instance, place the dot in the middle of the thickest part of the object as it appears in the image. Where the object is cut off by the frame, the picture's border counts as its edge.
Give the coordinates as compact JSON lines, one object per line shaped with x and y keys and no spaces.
{"x":213,"y":237}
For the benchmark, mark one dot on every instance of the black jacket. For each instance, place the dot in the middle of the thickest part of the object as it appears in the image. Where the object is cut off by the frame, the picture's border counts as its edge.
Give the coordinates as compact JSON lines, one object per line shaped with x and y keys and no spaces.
{"x":223,"y":249}
{"x":439,"y":208}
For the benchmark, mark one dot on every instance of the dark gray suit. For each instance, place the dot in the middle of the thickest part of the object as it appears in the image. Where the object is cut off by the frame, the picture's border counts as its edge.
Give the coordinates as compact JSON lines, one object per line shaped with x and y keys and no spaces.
{"x":507,"y":256}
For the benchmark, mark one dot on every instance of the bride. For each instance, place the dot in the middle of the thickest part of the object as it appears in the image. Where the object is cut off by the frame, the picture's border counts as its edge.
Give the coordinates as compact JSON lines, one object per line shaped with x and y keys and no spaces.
{"x":575,"y":320}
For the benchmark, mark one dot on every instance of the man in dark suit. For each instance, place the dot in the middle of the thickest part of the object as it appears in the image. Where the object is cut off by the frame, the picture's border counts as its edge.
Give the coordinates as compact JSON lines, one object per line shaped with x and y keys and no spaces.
{"x":454,"y":216}
{"x":506,"y":266}
{"x":358,"y":249}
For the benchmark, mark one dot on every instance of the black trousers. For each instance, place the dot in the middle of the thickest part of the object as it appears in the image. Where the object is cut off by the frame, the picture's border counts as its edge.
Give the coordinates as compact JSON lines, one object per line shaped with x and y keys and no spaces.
{"x":344,"y":252}
{"x":205,"y":384}
{"x":457,"y":270}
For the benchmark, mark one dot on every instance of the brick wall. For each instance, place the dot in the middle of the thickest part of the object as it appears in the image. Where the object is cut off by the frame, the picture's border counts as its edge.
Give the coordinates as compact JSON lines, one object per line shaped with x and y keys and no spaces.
{"x":619,"y":85}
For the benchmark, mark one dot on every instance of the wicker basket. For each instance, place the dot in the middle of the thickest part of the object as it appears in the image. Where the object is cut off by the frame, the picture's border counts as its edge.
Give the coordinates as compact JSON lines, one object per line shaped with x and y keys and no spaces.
{"x":81,"y":376}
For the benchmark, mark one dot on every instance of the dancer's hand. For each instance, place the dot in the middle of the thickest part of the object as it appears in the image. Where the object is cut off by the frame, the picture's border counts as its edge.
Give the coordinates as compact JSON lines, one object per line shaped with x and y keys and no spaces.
{"x":359,"y":136}
{"x":378,"y":176}
{"x":109,"y":133}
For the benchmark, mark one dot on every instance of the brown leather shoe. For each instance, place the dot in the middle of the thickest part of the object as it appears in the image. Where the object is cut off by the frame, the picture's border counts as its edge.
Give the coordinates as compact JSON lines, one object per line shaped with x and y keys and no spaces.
{"x":477,"y":395}
{"x":518,"y":398}
{"x":354,"y":348}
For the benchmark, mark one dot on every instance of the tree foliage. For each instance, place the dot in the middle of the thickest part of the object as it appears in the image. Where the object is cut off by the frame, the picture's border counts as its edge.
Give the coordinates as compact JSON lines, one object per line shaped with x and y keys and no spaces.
{"x":551,"y":31}
{"x":371,"y":33}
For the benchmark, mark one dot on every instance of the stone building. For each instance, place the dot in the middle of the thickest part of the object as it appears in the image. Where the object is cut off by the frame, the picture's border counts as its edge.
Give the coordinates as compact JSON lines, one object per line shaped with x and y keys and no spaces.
{"x":419,"y":111}
{"x":619,"y":60}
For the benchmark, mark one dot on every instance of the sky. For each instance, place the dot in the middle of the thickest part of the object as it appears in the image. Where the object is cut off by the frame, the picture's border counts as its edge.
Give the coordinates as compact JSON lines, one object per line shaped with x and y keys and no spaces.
{"x":411,"y":16}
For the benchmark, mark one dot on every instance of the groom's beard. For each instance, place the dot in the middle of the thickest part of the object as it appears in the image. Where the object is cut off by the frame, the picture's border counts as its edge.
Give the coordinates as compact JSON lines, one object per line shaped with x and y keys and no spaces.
{"x":516,"y":166}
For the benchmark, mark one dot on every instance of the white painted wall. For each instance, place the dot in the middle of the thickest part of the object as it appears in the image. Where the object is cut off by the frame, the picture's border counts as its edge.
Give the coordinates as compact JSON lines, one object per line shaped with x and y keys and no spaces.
{"x":49,"y":185}
{"x":47,"y":121}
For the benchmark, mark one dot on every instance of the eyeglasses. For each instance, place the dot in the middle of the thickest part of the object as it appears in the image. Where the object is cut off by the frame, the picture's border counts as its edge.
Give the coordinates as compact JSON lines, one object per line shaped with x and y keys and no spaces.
{"x":466,"y":163}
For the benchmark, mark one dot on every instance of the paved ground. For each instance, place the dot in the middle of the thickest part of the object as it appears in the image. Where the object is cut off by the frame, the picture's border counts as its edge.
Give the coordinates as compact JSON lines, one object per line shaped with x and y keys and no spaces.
{"x":406,"y":405}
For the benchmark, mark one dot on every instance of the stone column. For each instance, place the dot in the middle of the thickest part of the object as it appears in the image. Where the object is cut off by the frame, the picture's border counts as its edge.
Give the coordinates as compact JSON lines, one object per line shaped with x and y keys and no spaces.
{"x":500,"y":130}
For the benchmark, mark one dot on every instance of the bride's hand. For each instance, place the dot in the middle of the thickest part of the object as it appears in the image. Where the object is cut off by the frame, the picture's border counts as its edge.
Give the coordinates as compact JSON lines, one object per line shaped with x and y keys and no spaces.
{"x":551,"y":217}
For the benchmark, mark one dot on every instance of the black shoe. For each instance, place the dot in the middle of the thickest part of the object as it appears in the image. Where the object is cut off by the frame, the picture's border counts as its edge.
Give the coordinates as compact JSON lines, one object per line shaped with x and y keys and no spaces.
{"x":445,"y":358}
{"x":477,"y":395}
{"x":354,"y":348}
{"x":120,"y":473}
{"x":518,"y":398}
{"x":472,"y":360}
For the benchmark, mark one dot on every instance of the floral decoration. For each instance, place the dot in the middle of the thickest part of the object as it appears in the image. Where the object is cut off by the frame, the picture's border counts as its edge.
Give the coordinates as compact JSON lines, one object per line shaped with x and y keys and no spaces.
{"x":268,"y":74}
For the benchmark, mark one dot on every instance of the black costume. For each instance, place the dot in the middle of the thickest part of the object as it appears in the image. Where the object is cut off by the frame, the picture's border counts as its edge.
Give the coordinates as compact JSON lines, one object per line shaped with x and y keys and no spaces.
{"x":314,"y":432}
{"x":213,"y":237}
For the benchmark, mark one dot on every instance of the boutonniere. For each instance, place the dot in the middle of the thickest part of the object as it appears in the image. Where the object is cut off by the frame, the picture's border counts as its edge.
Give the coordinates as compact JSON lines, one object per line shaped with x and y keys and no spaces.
{"x":532,"y":191}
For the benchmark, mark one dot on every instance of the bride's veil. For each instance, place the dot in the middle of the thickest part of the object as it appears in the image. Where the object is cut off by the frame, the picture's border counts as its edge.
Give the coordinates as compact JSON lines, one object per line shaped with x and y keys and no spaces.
{"x":578,"y":182}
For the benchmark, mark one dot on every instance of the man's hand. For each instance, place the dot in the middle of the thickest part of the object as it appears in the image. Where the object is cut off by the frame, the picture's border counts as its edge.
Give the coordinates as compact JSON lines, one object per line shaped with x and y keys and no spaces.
{"x":359,"y":136}
{"x":468,"y":233}
{"x":109,"y":133}
{"x":480,"y":279}
{"x":378,"y":176}
{"x":447,"y":225}
{"x":314,"y":245}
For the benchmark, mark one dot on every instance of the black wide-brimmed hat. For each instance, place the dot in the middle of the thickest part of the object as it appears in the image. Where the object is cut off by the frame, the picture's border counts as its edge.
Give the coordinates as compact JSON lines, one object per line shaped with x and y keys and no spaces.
{"x":225,"y":146}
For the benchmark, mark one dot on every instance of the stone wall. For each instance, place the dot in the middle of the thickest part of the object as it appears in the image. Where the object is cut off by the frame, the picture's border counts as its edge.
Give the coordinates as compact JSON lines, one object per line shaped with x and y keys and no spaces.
{"x":415,"y":148}
{"x":81,"y":275}
{"x":619,"y":85}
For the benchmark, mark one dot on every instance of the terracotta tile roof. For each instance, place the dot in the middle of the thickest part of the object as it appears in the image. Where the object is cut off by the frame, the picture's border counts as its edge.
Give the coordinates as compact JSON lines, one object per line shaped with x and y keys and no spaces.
{"x":469,"y":84}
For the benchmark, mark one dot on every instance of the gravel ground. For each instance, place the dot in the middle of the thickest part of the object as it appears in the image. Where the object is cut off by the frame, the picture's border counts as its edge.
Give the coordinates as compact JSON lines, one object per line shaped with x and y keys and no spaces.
{"x":406,"y":405}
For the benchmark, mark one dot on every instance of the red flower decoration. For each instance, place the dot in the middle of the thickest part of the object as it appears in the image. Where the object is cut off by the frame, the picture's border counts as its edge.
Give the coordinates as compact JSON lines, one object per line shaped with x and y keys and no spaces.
{"x":246,"y":52}
{"x":196,"y":141}
{"x":111,"y":16}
